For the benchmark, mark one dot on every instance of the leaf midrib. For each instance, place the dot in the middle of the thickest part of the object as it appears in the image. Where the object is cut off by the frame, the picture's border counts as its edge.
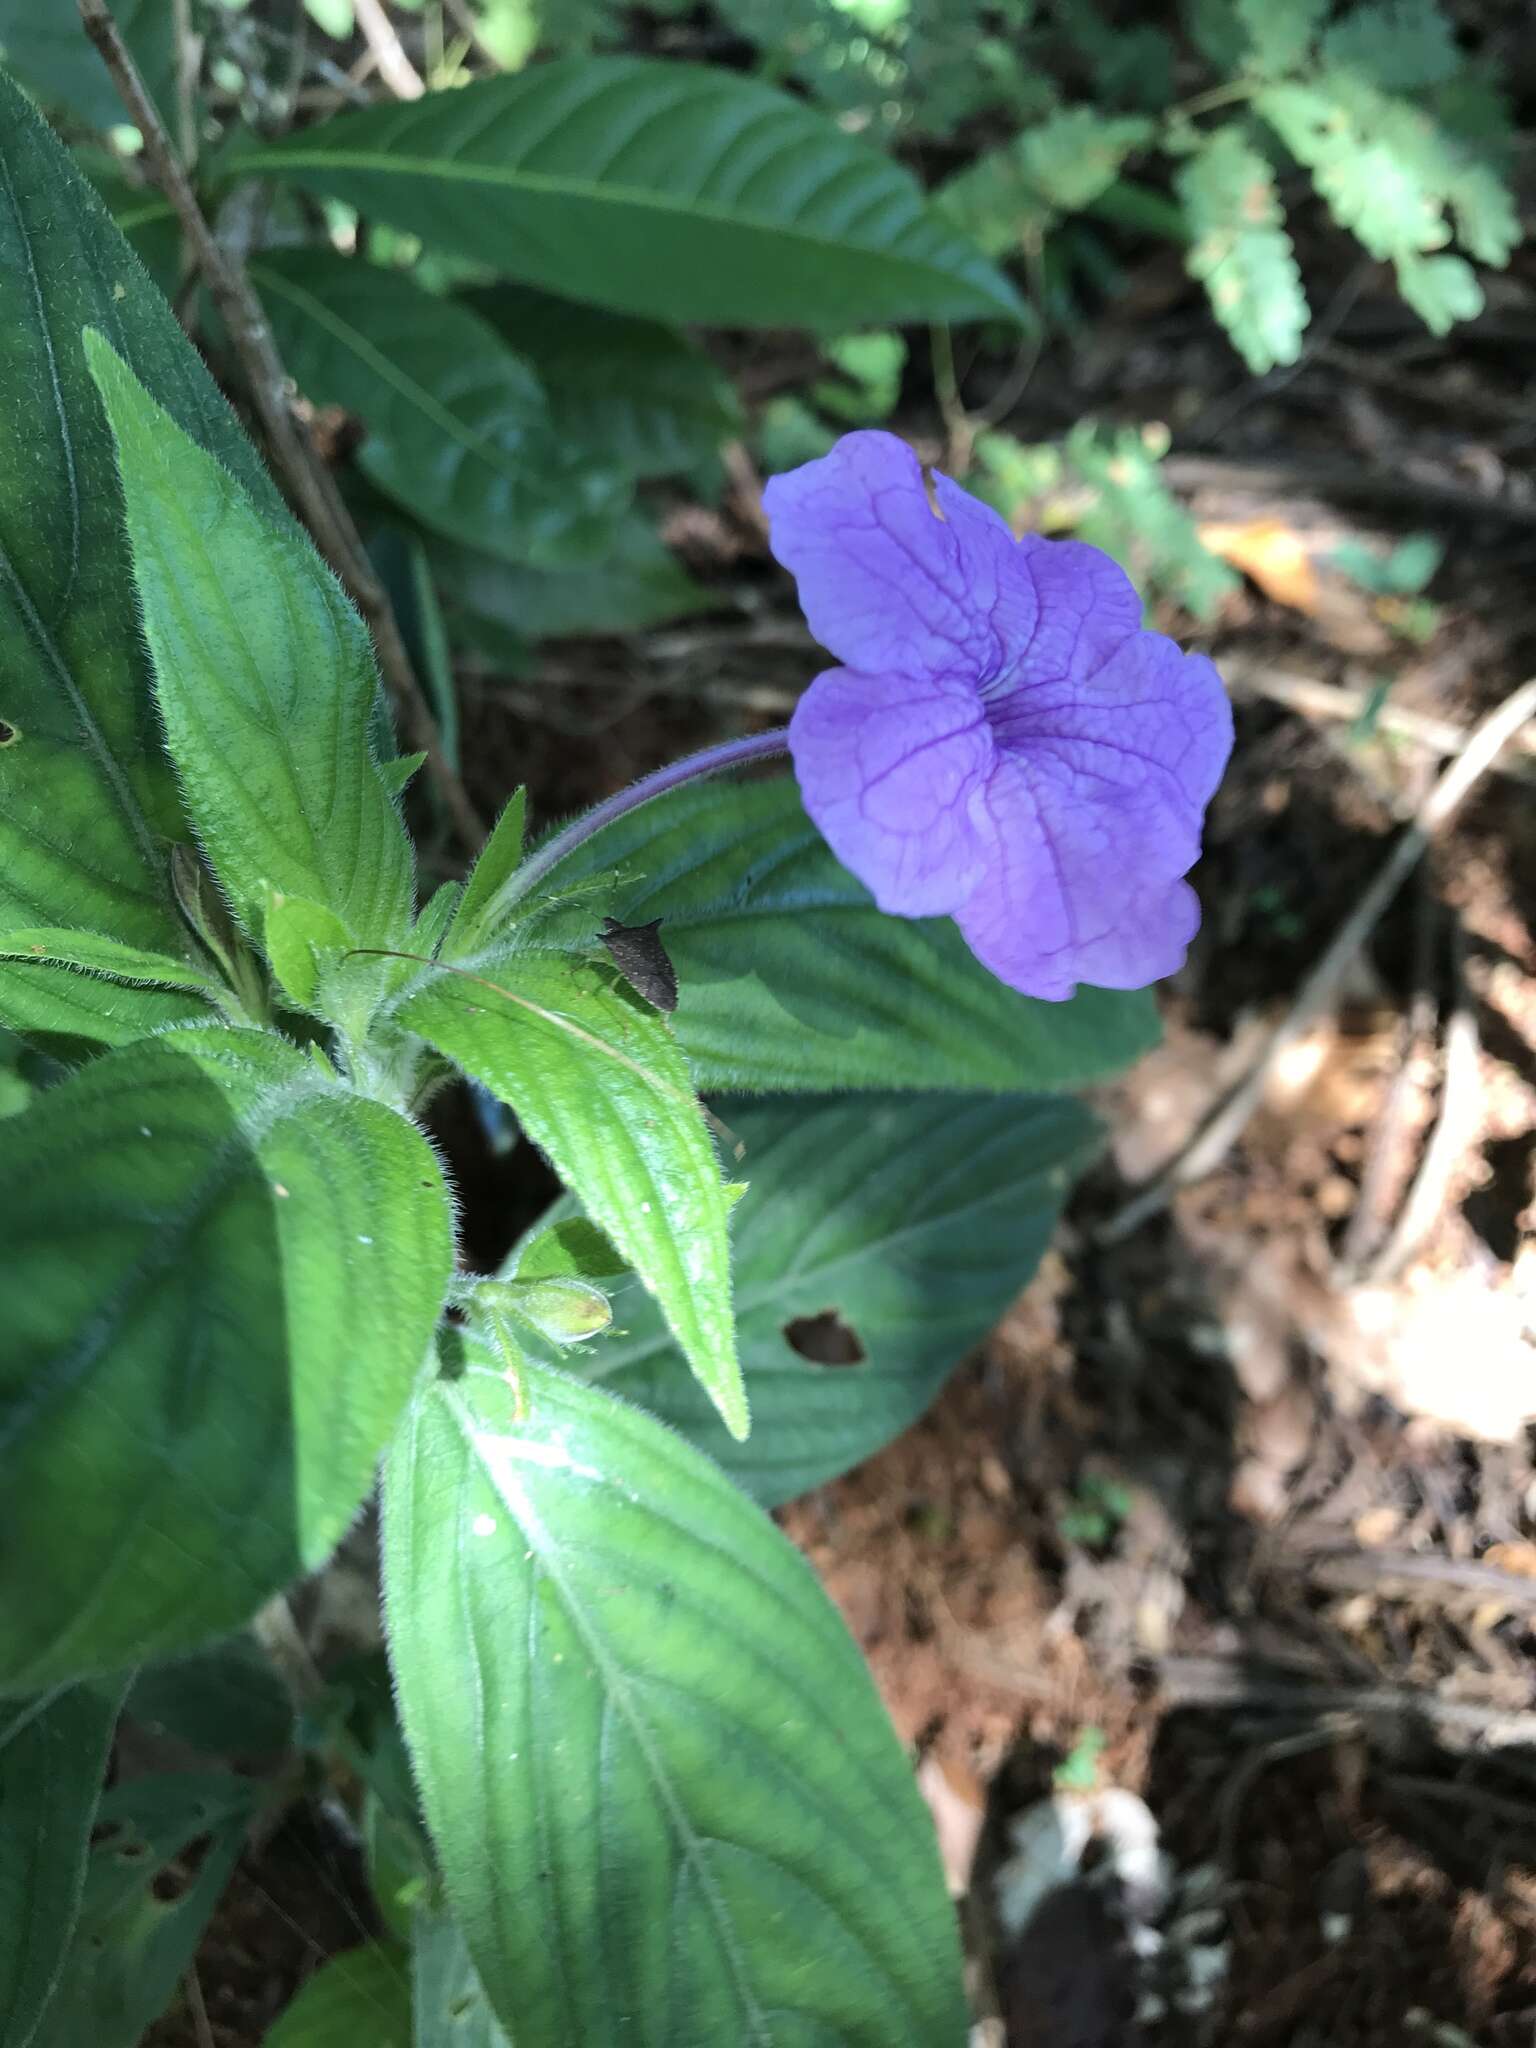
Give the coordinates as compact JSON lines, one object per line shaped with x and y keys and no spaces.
{"x":267,"y":164}
{"x":616,"y":1688}
{"x":448,"y":423}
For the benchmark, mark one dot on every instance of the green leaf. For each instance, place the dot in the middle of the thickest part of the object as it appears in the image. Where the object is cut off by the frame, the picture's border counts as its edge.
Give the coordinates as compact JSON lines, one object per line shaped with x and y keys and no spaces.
{"x":899,"y":1227}
{"x":227,"y":1701}
{"x":1440,"y":289}
{"x":264,"y":677}
{"x":1076,"y":153}
{"x":474,"y":921}
{"x":1240,"y":250}
{"x":364,"y":1994}
{"x":450,"y":2002}
{"x":641,"y":394}
{"x":791,"y":978}
{"x":458,"y":429}
{"x":74,"y":989}
{"x":1280,"y":33}
{"x":1392,"y":175}
{"x":653,"y":187}
{"x":94,"y":953}
{"x":87,"y":797}
{"x":1400,"y":45}
{"x":1062,"y":164}
{"x":398,"y":774}
{"x":53,"y":1756}
{"x":131,"y":1945}
{"x":599,"y":1084}
{"x":305,"y":943}
{"x":869,"y":386}
{"x":572,"y":1248}
{"x":664,"y":1792}
{"x":47,"y":48}
{"x":220,"y":1273}
{"x":148,"y":223}
{"x":639,"y":583}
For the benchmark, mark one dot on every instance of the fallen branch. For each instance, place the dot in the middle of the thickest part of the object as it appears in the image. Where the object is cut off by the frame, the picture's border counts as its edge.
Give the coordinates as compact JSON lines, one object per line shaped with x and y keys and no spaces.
{"x":1458,"y":1725}
{"x":312,"y":486}
{"x":394,"y":67}
{"x":1227,"y":1122}
{"x":1346,"y":480}
{"x":1315,"y":699}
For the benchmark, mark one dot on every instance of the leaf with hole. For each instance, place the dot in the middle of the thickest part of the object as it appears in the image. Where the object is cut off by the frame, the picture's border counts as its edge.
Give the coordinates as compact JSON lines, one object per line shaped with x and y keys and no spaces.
{"x":458,"y":429}
{"x":265,"y":680}
{"x":790,"y":978}
{"x":659,"y":188}
{"x":88,"y":800}
{"x":879,"y":1240}
{"x":219,"y":1272}
{"x":53,"y":1757}
{"x":133,"y":1940}
{"x":590,"y":1629}
{"x":599,"y":1084}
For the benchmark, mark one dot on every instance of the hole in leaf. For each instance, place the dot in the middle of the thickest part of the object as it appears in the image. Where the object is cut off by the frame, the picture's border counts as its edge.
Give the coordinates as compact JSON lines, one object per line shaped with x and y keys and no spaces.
{"x":9,"y":734}
{"x":824,"y":1339}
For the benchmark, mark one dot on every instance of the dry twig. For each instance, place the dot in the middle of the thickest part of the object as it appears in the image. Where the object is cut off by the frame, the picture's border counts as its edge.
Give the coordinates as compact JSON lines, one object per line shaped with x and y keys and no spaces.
{"x":1227,"y":1122}
{"x":1314,"y":699}
{"x":394,"y":67}
{"x":311,"y":483}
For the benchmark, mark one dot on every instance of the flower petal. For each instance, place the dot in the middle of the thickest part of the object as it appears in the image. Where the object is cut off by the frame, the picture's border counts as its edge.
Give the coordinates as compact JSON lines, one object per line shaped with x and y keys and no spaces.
{"x":1149,"y":730}
{"x":882,"y":581}
{"x":1081,"y":880}
{"x":887,"y":766}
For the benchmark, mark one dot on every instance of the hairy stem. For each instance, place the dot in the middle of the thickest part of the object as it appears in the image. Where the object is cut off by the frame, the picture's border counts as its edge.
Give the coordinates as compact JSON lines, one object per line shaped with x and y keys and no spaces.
{"x":714,"y":760}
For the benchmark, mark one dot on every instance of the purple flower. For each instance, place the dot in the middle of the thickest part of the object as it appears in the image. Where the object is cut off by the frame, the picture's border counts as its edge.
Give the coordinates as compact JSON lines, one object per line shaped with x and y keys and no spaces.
{"x":1005,"y":745}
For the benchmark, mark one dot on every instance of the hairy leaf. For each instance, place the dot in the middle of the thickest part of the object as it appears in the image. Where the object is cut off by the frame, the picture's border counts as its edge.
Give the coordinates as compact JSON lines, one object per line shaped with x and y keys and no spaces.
{"x":53,"y":1756}
{"x":1240,"y":250}
{"x":457,"y":427}
{"x":659,"y":188}
{"x":599,"y":1083}
{"x":475,"y":919}
{"x":899,"y":1226}
{"x":590,"y":1630}
{"x":264,"y":677}
{"x":790,"y":977}
{"x":642,"y":394}
{"x":219,"y":1271}
{"x":87,"y":797}
{"x":451,"y":2007}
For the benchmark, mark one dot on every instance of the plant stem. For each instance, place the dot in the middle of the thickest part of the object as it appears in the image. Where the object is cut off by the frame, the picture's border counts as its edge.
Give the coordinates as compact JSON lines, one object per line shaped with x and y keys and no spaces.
{"x":714,"y":760}
{"x":1219,"y":96}
{"x":311,"y":483}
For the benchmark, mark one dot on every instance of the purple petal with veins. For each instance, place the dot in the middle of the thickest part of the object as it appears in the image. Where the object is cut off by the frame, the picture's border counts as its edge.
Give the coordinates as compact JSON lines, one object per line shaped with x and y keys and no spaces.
{"x":1005,"y":744}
